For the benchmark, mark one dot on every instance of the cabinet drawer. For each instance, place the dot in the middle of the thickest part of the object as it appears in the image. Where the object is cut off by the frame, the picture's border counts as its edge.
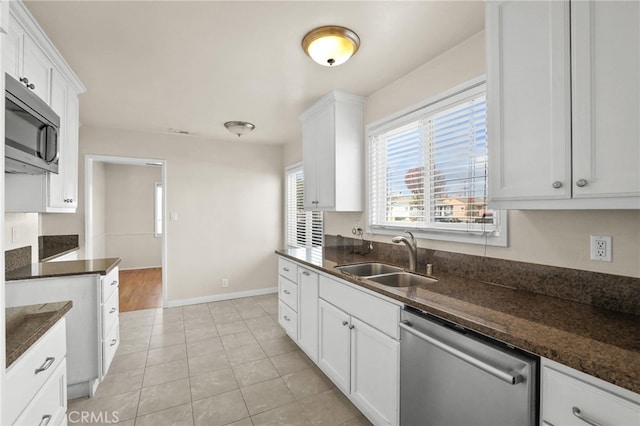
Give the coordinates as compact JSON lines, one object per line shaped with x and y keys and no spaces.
{"x":288,"y":269}
{"x":32,"y":370}
{"x":109,"y":284}
{"x":563,"y":394}
{"x":288,"y":319}
{"x":110,"y":313}
{"x":110,"y":346}
{"x":49,"y":406}
{"x":288,"y":292}
{"x":374,"y":311}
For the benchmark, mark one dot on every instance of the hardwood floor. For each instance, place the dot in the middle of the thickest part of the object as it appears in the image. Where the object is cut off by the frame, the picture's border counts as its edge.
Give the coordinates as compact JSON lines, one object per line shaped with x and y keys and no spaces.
{"x":140,"y":289}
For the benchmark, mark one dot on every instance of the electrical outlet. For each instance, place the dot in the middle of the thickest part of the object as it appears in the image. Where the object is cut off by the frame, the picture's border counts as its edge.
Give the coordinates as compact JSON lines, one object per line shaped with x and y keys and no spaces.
{"x":601,"y":248}
{"x":225,"y":282}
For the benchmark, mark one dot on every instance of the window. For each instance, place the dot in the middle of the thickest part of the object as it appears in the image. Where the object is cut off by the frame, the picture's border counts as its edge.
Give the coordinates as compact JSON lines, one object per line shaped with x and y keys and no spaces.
{"x":304,"y":228}
{"x":157,"y":209}
{"x":428,"y":170}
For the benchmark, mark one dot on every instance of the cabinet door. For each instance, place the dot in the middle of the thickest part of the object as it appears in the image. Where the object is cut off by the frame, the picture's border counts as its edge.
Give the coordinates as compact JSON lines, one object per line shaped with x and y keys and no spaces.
{"x":12,"y":48}
{"x":325,"y":173}
{"x":319,"y":160}
{"x":37,"y":68}
{"x":334,"y":352}
{"x":528,"y":97}
{"x":374,"y":373}
{"x":606,"y":98}
{"x":308,"y":312}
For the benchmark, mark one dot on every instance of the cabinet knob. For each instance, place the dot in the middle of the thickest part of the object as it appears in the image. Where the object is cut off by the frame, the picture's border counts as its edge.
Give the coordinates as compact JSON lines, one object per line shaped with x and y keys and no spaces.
{"x":113,"y":342}
{"x":286,"y":292}
{"x":285,"y":269}
{"x":345,"y":322}
{"x":24,"y":80}
{"x":351,"y":327}
{"x":557,"y":184}
{"x":112,"y":310}
{"x":287,"y":318}
{"x":31,"y":86}
{"x":576,"y":412}
{"x":581,"y":183}
{"x":45,"y":420}
{"x":114,"y":282}
{"x":305,"y":273}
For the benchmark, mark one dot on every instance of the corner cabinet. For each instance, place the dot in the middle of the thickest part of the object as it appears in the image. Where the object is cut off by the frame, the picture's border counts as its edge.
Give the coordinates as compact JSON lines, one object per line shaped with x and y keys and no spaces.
{"x":92,"y":326}
{"x":332,"y":150}
{"x":563,"y":104}
{"x":29,"y":56}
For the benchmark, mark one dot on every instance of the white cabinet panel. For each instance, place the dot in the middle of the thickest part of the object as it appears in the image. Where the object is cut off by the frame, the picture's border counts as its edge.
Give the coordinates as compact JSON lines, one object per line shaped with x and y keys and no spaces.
{"x":375,"y":364}
{"x":49,"y":406}
{"x":566,"y":398}
{"x":528,"y":101}
{"x":334,"y":346}
{"x":308,"y":312}
{"x":288,"y":292}
{"x":288,"y":319}
{"x":606,"y":98}
{"x":37,"y":69}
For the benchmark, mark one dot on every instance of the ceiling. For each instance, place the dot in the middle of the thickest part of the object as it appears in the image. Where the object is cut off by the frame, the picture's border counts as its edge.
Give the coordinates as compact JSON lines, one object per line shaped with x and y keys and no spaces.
{"x":158,"y":65}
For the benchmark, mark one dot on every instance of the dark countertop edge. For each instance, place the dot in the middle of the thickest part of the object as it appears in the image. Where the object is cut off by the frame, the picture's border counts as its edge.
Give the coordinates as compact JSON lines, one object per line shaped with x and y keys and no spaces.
{"x":57,"y":255}
{"x":115,"y":262}
{"x":46,"y":325}
{"x":583,"y":364}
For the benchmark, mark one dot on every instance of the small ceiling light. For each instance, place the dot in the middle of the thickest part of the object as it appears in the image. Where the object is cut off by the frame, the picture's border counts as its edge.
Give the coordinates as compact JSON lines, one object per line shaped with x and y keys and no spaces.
{"x":331,"y":45}
{"x":239,"y":127}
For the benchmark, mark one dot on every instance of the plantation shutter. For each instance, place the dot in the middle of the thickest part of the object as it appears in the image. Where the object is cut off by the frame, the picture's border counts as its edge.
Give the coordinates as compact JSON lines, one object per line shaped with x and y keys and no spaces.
{"x":304,"y":228}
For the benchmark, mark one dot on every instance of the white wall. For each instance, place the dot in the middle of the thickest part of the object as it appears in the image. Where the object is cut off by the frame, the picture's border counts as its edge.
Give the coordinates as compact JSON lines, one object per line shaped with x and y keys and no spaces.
{"x":26,"y":226}
{"x":129,"y":215}
{"x":98,"y":197}
{"x":228,"y":199}
{"x":559,"y":238}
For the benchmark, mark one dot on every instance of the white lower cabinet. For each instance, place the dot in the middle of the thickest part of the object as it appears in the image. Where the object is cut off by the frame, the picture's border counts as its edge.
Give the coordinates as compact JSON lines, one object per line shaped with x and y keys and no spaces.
{"x":36,"y":383}
{"x":351,"y":334}
{"x":572,"y":398}
{"x":92,"y":325}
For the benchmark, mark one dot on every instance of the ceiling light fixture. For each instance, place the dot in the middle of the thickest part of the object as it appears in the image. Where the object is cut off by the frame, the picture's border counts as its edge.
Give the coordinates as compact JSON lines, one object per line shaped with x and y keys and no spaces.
{"x":239,"y":127}
{"x":331,"y":45}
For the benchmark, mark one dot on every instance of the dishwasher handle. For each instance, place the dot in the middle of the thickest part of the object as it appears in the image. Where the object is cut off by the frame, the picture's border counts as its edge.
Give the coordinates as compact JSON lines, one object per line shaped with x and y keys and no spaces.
{"x":496,"y":372}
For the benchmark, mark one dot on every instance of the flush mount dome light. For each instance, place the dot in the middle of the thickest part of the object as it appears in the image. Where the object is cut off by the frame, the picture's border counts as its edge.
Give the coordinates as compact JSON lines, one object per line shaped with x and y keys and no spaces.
{"x":331,"y":45}
{"x":239,"y":127}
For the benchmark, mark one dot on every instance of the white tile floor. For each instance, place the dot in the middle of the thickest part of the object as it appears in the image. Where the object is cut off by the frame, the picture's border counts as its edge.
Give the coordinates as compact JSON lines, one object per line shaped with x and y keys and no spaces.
{"x":219,"y":363}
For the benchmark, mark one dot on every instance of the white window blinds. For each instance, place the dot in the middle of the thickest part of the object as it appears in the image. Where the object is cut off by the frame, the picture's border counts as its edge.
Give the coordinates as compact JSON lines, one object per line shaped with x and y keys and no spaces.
{"x":304,"y":228}
{"x":428,"y":168}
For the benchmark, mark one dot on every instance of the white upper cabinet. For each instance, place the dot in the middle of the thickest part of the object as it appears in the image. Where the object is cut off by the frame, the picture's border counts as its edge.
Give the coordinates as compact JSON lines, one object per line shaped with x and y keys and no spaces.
{"x":29,"y":56}
{"x":332,"y":153}
{"x":563,"y":104}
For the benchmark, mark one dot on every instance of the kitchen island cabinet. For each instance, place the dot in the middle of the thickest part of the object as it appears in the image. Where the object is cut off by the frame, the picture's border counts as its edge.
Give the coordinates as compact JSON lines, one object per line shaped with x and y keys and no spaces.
{"x":563,"y":100}
{"x":92,"y":326}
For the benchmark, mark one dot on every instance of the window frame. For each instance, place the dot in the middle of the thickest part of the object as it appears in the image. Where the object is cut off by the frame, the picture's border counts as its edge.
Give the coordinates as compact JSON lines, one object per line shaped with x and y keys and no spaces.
{"x":497,"y":237}
{"x":294,"y":168}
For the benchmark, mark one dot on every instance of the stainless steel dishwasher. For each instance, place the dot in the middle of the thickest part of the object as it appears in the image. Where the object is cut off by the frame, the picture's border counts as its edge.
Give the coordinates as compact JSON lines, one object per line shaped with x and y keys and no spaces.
{"x":450,"y":376}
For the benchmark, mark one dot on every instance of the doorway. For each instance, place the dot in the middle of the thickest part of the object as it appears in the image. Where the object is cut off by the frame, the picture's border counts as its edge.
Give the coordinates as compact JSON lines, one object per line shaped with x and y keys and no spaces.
{"x":125,"y":205}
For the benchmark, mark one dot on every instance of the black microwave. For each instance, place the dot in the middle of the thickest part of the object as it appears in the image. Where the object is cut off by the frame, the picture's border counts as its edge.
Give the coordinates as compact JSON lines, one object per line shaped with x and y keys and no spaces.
{"x":31,"y":131}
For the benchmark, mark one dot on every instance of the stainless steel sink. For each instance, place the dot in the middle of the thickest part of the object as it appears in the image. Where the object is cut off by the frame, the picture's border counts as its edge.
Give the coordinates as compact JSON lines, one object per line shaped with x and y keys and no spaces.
{"x":369,"y":269}
{"x":402,"y":279}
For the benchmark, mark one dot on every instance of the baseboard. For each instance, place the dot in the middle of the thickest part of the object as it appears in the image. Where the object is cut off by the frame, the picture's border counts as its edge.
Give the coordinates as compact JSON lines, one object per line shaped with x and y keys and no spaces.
{"x":220,"y":297}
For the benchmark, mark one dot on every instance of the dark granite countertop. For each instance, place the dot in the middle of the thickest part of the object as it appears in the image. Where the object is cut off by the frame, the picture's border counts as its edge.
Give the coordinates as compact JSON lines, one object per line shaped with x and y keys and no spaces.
{"x":594,"y":340}
{"x":60,"y":269}
{"x":26,"y":324}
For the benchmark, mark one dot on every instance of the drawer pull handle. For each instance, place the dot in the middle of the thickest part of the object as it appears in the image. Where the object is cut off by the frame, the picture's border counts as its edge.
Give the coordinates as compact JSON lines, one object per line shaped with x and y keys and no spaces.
{"x":287,"y":292}
{"x":351,"y":327}
{"x":114,"y":282}
{"x":345,"y":322}
{"x":306,"y":273}
{"x":112,"y":310}
{"x":113,"y":342}
{"x":285,"y":269}
{"x":287,"y":318}
{"x":45,"y":420}
{"x":576,"y":412}
{"x":47,"y":363}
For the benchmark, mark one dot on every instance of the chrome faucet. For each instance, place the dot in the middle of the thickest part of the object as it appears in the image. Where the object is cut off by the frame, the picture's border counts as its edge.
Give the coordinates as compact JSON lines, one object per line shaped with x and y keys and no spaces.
{"x":412,"y":245}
